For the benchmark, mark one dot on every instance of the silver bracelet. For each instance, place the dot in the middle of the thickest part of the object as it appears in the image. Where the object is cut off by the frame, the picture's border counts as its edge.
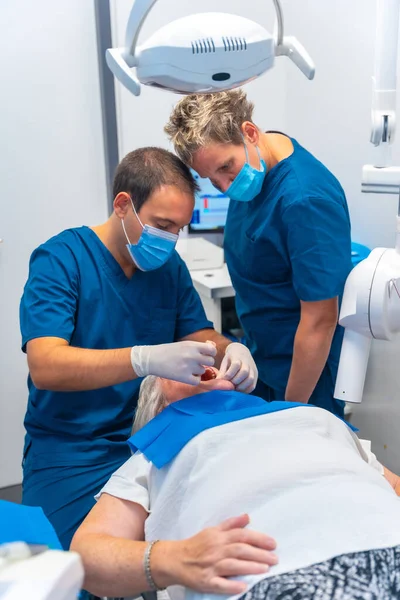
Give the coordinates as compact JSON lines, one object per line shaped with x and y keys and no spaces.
{"x":147,"y":568}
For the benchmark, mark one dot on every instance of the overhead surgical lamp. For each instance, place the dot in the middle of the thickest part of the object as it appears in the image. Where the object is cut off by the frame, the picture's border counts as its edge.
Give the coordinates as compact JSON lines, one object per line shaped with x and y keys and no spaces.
{"x":201,"y":53}
{"x":371,"y":300}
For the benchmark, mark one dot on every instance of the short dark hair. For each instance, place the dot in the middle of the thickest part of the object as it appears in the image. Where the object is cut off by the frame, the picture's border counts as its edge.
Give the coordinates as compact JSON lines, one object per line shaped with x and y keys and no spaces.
{"x":145,"y":170}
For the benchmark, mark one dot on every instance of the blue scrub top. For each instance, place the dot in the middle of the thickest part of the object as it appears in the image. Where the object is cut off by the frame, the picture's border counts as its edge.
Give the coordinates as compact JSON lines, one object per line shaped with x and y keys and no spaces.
{"x":291,"y":243}
{"x":77,"y":291}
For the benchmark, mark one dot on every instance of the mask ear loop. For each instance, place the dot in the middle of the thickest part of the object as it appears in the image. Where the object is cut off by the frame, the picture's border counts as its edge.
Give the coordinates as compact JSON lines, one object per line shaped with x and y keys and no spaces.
{"x":123,"y":224}
{"x":259,"y":158}
{"x":126,"y":235}
{"x":247,"y":152}
{"x":245,"y":148}
{"x":137,"y":216}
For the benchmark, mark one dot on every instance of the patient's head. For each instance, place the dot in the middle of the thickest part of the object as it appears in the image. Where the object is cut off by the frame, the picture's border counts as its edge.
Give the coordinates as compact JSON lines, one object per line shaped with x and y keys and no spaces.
{"x":156,"y":393}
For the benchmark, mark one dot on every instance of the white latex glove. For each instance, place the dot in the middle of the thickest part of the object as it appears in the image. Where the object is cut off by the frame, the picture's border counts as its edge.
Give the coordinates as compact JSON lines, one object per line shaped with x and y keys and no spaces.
{"x":239,"y":367}
{"x":180,"y":361}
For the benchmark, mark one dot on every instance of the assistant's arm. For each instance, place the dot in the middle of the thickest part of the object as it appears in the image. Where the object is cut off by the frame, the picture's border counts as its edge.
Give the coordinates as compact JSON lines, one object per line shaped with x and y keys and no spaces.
{"x":311,"y":349}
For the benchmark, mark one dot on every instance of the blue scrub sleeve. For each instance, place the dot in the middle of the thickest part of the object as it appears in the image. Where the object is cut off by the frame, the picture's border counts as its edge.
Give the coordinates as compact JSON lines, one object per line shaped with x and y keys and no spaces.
{"x":50,"y":297}
{"x":319,"y":244}
{"x":190,"y":316}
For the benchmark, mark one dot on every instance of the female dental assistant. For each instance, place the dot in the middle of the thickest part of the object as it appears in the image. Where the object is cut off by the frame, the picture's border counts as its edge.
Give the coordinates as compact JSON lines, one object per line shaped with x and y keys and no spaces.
{"x":98,"y":309}
{"x":287,"y":242}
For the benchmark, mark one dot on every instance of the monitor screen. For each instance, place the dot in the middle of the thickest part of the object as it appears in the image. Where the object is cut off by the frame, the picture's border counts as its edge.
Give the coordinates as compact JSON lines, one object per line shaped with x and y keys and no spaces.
{"x":210,"y":209}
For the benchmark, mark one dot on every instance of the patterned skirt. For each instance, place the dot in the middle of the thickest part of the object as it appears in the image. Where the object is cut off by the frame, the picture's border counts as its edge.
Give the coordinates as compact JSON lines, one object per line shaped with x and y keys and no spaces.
{"x":371,"y":575}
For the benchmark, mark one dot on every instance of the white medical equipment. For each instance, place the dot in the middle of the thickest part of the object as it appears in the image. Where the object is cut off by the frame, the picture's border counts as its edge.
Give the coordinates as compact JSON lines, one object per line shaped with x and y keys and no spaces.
{"x":201,"y":53}
{"x":39,"y":574}
{"x":371,"y":301}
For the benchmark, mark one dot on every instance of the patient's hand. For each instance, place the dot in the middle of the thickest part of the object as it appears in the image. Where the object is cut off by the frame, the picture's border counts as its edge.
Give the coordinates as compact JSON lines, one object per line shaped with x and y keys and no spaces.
{"x":393,"y":479}
{"x":207,"y":561}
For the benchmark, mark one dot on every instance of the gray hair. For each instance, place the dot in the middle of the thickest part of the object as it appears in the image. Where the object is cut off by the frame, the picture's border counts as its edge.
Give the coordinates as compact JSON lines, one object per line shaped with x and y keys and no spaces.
{"x":151,"y":402}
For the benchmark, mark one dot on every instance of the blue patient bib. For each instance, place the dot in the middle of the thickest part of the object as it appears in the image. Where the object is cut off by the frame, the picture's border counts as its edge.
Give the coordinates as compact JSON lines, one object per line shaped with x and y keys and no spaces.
{"x":165,"y":435}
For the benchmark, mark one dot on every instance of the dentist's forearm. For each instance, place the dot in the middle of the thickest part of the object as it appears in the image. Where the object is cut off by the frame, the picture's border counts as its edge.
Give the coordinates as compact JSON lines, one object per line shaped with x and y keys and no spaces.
{"x":311,"y":351}
{"x":56,"y":366}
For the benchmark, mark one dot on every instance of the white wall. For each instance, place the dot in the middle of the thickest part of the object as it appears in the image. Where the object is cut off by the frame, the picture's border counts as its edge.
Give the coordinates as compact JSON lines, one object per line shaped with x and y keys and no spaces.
{"x":331,"y":117}
{"x":51,"y":166}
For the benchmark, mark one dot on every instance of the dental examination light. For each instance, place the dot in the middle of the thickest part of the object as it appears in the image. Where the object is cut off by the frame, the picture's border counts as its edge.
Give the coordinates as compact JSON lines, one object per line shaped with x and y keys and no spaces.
{"x":201,"y":53}
{"x":371,"y":300}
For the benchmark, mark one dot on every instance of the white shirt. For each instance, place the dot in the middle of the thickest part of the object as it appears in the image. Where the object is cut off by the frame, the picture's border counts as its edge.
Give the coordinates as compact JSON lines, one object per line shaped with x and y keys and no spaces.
{"x":301,"y":474}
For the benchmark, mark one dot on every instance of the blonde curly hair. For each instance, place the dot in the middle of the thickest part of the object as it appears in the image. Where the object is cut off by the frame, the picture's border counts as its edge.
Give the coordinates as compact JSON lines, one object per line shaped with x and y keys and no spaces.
{"x":202,"y":119}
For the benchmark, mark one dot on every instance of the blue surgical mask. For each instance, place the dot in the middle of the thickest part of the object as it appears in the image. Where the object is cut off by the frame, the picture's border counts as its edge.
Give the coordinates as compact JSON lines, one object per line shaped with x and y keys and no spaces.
{"x":248,"y":182}
{"x":154,"y":247}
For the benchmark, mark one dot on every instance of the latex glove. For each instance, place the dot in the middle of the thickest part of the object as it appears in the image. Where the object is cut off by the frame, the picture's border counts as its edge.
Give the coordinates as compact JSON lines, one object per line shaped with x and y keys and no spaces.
{"x":180,"y":361}
{"x":239,"y":367}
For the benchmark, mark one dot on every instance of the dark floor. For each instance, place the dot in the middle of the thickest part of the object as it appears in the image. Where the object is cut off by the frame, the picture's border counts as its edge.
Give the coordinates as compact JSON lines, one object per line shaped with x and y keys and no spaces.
{"x":12,"y":493}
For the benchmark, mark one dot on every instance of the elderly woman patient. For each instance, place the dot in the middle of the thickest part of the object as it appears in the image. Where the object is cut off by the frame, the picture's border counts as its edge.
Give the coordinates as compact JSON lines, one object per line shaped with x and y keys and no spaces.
{"x":228,"y":494}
